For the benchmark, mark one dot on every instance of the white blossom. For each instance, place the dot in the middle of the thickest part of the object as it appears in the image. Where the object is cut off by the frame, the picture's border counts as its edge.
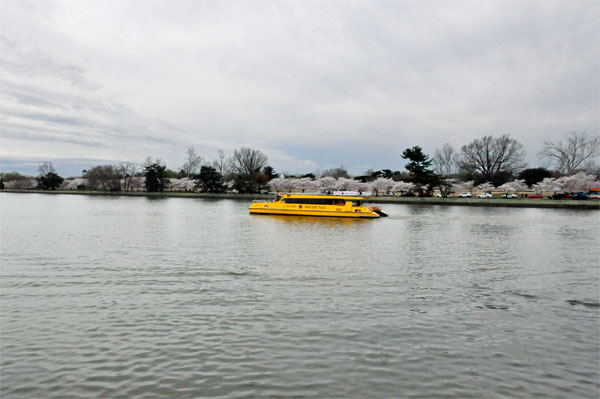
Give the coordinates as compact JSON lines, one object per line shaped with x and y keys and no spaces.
{"x":185,"y":183}
{"x":549,"y":184}
{"x":382,"y":184}
{"x":514,"y":186}
{"x":276,"y":184}
{"x":485,"y":187}
{"x":464,"y":186}
{"x":402,"y":186}
{"x":74,"y":183}
{"x":578,"y":182}
{"x":326,"y":183}
{"x":304,"y":184}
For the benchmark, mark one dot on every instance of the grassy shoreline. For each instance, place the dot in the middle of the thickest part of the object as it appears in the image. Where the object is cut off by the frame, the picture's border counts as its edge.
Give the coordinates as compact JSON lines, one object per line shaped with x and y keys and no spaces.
{"x":493,"y":202}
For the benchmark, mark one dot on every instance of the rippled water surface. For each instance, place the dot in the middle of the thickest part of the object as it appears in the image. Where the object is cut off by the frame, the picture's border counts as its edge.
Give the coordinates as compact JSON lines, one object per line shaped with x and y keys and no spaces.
{"x":135,"y":297}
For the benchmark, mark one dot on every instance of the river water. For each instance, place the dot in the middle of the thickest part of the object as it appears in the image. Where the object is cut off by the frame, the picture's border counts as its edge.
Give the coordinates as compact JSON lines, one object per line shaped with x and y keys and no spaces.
{"x":117,"y":297}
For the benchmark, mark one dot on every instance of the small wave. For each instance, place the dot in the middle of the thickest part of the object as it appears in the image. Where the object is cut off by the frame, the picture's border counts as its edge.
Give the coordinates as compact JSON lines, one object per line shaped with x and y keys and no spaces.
{"x":594,"y":304}
{"x":528,"y":296}
{"x":232,"y":273}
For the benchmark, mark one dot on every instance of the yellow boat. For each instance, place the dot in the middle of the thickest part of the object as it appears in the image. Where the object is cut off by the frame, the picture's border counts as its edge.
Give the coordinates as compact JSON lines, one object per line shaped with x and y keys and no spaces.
{"x":338,"y":204}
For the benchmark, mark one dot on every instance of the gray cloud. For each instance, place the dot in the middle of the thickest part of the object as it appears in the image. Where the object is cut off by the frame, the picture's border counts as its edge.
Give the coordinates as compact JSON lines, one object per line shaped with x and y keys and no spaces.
{"x":313,"y":84}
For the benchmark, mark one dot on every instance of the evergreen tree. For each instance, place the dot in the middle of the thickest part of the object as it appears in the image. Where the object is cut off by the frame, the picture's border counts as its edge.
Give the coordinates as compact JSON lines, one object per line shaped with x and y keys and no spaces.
{"x":209,"y":180}
{"x":156,"y":179}
{"x":49,"y":181}
{"x":418,"y":167}
{"x":534,"y":175}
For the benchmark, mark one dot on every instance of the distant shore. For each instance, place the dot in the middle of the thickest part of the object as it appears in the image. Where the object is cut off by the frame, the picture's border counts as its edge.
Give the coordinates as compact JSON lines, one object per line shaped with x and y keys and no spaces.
{"x":493,"y":202}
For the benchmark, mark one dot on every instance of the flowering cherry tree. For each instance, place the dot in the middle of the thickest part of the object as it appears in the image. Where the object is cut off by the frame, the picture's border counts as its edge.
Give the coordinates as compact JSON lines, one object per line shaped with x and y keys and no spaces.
{"x":549,"y":184}
{"x":304,"y":183}
{"x":382,"y":184}
{"x":327,"y":183}
{"x":514,"y":186}
{"x":74,"y":183}
{"x":185,"y":183}
{"x":464,"y":186}
{"x":485,"y":187}
{"x":276,"y":184}
{"x":402,"y":186}
{"x":578,"y":182}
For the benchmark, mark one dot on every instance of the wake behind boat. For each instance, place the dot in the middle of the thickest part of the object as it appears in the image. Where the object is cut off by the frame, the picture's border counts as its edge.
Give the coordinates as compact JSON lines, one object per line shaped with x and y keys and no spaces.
{"x":349,"y":204}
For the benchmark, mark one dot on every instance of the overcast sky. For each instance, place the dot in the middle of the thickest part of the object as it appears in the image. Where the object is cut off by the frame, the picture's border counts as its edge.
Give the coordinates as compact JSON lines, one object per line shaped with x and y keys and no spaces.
{"x":312,"y":84}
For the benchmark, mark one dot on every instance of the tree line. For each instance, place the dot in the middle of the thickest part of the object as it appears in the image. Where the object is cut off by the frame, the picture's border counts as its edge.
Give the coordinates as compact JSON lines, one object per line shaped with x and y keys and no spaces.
{"x":488,"y":162}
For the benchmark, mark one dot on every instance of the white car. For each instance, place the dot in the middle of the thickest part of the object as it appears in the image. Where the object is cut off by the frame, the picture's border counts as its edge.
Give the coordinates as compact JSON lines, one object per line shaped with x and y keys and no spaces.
{"x":484,"y":195}
{"x":464,"y":195}
{"x":510,"y":195}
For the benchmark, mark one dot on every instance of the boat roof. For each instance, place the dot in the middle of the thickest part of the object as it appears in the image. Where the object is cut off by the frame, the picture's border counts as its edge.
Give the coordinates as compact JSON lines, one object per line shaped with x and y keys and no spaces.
{"x":347,"y":195}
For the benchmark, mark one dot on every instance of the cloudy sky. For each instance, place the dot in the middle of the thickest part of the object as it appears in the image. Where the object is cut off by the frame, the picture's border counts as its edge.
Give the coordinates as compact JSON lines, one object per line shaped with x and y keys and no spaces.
{"x":312,"y":84}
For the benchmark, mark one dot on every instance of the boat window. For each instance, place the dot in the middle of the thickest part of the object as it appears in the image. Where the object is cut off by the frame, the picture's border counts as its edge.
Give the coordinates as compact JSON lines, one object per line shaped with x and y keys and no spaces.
{"x":277,"y":198}
{"x":357,"y":203}
{"x":338,"y":202}
{"x":312,"y":201}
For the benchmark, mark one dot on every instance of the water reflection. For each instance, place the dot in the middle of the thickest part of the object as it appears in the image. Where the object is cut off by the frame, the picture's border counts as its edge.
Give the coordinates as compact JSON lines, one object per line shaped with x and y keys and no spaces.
{"x":316,"y":221}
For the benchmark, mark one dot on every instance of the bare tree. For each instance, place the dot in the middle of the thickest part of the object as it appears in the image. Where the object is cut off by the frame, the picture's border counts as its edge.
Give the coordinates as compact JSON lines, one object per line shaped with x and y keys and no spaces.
{"x":192,"y":162}
{"x":336,"y":172}
{"x":577,"y":148}
{"x":107,"y":177}
{"x":149,"y":162}
{"x":46,"y":168}
{"x":444,"y":160}
{"x":492,"y":156}
{"x":221,"y":163}
{"x":247,"y":161}
{"x":127,"y":170}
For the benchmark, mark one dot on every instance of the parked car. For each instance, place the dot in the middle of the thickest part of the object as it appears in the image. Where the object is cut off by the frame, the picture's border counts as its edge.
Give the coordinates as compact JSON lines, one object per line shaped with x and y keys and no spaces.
{"x":464,"y":195}
{"x":536,"y":196}
{"x":557,"y":196}
{"x":510,"y":195}
{"x":408,"y":194}
{"x":485,"y":195}
{"x":388,"y":194}
{"x":579,"y":196}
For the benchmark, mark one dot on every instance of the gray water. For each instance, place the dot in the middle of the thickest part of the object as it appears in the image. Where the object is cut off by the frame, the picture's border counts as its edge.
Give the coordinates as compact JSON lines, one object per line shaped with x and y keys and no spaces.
{"x":135,"y":297}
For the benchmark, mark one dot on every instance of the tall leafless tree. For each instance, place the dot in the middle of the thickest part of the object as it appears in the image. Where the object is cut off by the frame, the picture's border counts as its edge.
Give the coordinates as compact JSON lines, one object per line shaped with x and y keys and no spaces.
{"x":336,"y":172}
{"x":490,"y":156}
{"x":221,"y":163}
{"x":444,"y":160}
{"x":149,"y":161}
{"x":247,"y":161}
{"x":572,"y":153}
{"x":192,"y":162}
{"x":106,"y":177}
{"x":127,"y":170}
{"x":46,"y":168}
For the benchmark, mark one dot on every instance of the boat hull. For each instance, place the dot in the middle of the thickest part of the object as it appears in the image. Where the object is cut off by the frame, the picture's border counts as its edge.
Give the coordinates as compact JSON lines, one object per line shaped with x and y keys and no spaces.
{"x":299,"y":212}
{"x":262,"y":210}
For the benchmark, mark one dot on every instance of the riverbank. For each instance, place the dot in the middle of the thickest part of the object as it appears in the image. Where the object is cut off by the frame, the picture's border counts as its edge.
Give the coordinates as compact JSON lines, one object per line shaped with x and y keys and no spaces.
{"x":492,"y":202}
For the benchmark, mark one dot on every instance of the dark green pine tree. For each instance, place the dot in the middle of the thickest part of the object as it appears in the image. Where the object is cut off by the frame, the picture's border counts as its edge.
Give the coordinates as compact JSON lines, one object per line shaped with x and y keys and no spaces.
{"x":209,"y":180}
{"x":418,"y":167}
{"x":156,"y":179}
{"x":49,"y":181}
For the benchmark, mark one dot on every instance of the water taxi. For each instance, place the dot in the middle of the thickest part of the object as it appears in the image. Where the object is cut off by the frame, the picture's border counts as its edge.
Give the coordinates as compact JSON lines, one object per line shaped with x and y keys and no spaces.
{"x":349,"y":204}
